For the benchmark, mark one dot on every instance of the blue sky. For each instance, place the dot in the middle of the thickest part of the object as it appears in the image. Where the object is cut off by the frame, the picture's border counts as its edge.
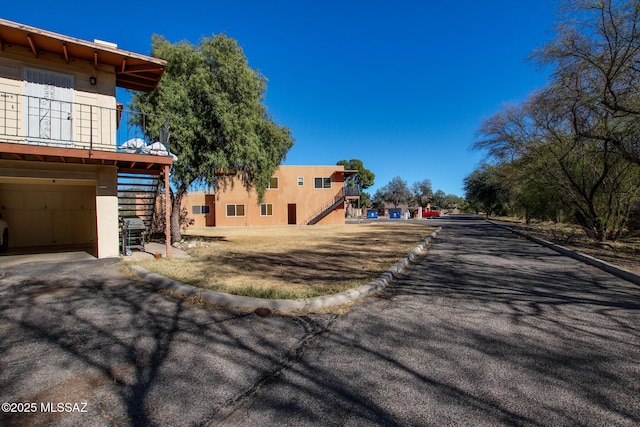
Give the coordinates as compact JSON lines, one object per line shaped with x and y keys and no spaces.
{"x":401,"y":85}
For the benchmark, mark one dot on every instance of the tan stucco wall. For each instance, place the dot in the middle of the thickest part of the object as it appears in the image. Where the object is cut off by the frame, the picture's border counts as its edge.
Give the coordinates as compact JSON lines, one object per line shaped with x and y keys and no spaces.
{"x":62,"y":182}
{"x":13,"y":61}
{"x":107,"y":212}
{"x":306,"y":198}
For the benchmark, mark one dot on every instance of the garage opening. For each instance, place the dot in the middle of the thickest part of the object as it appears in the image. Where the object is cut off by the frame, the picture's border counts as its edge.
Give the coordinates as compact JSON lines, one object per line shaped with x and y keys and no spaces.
{"x":49,"y":215}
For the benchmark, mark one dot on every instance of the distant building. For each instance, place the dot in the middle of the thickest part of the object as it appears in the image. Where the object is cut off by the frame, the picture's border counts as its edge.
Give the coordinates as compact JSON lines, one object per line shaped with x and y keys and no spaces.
{"x":296,"y":195}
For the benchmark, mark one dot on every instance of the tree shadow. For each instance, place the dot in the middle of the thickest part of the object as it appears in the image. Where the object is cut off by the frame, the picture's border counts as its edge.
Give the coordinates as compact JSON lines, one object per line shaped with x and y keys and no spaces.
{"x":88,"y":333}
{"x":485,"y":329}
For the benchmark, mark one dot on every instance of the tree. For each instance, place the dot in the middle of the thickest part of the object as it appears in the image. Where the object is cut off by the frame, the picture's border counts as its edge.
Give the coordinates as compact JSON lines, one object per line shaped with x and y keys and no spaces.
{"x":422,"y":192}
{"x":362,"y":180}
{"x":591,"y":175}
{"x":219,"y":126}
{"x":595,"y":54}
{"x":395,"y":192}
{"x":483,"y":191}
{"x":439,"y":198}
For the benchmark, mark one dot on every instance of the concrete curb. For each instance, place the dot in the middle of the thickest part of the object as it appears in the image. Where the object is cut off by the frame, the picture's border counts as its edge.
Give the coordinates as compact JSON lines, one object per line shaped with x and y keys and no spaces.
{"x":603,"y":265}
{"x":229,"y":300}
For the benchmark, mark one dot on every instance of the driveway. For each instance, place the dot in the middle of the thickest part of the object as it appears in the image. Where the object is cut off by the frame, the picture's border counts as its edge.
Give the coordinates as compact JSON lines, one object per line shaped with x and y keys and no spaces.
{"x":485,"y":329}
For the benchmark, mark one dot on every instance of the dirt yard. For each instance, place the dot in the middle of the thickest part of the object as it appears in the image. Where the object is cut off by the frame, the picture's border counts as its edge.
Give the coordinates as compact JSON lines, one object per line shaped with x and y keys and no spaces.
{"x":290,"y":261}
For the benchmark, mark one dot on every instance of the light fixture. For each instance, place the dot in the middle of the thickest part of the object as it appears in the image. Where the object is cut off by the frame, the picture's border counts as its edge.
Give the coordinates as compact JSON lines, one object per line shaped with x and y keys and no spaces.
{"x":92,"y":80}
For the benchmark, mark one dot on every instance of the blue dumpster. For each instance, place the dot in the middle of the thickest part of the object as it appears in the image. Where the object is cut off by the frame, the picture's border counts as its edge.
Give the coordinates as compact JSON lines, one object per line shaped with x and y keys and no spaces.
{"x":372,"y":213}
{"x":395,"y":213}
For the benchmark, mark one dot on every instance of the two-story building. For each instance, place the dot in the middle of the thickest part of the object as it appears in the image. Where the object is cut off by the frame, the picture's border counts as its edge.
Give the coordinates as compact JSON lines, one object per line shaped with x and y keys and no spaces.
{"x":296,"y":195}
{"x":60,"y":133}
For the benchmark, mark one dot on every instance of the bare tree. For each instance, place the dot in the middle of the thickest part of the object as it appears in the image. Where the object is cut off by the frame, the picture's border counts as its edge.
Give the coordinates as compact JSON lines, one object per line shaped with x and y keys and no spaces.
{"x":592,"y":176}
{"x":596,"y":57}
{"x":422,"y":192}
{"x":395,"y":192}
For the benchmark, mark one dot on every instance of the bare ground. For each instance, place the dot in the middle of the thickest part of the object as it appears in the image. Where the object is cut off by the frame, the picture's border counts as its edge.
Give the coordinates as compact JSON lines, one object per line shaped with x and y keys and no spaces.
{"x":290,"y":261}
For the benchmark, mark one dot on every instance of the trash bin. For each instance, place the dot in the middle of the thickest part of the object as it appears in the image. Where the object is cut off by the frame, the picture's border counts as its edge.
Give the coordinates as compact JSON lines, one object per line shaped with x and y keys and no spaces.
{"x":372,"y":213}
{"x":395,"y":213}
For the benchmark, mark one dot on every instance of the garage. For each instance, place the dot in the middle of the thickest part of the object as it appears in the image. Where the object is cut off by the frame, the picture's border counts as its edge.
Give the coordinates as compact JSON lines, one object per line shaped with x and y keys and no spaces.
{"x":49,"y":214}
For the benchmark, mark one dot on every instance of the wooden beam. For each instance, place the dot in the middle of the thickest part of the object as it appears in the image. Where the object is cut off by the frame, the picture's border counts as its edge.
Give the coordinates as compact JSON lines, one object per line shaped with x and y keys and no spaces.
{"x":32,"y":45}
{"x":95,"y":59}
{"x":66,"y":53}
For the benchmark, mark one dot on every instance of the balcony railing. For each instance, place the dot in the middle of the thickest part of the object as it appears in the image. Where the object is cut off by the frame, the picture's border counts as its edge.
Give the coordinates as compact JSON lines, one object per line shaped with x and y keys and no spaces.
{"x":351,"y":191}
{"x":41,"y":121}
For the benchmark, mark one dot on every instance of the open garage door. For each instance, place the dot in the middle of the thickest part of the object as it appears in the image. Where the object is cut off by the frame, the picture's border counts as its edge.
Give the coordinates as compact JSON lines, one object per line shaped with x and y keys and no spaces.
{"x":49,"y":214}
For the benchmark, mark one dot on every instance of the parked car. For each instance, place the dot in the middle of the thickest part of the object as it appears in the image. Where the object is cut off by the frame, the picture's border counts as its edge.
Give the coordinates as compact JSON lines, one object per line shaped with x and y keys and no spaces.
{"x":4,"y":234}
{"x":426,"y":213}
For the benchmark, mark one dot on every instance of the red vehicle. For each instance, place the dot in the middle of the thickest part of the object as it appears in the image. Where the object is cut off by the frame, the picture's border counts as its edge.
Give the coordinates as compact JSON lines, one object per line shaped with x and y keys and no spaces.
{"x":426,"y":213}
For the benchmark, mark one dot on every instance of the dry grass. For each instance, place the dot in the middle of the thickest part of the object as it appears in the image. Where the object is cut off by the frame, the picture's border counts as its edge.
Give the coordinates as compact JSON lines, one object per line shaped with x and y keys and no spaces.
{"x":624,"y":253}
{"x":291,"y":261}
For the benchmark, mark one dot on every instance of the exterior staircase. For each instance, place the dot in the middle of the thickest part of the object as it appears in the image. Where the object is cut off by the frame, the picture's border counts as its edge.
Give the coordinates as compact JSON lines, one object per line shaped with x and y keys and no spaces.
{"x":326,"y":208}
{"x":137,"y":196}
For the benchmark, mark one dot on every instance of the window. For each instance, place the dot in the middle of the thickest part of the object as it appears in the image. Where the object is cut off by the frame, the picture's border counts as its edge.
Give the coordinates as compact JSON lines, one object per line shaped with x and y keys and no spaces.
{"x":300,"y":181}
{"x":235,"y":210}
{"x":266,"y":209}
{"x":196,"y":210}
{"x":273,"y":183}
{"x":322,"y":182}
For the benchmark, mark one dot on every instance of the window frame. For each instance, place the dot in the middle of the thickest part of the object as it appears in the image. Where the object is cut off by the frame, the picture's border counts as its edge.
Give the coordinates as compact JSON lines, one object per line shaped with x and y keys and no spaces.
{"x":268,"y":209}
{"x":235,"y":210}
{"x":201,"y":209}
{"x":324,"y":181}
{"x":277,"y":181}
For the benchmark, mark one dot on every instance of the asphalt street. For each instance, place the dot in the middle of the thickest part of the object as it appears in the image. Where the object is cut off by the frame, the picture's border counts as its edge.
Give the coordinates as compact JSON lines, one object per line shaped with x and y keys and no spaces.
{"x":486,"y":328}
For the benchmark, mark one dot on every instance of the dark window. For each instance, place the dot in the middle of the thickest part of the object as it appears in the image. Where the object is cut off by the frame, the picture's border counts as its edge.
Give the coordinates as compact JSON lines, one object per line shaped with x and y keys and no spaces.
{"x":322,"y":182}
{"x":273,"y":182}
{"x":197,"y":210}
{"x":235,"y":210}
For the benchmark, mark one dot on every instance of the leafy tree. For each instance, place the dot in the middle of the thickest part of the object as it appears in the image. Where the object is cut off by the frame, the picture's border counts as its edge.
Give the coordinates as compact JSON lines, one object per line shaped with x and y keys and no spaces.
{"x":483,"y":191}
{"x":452,"y":201}
{"x":365,"y":200}
{"x":362,"y":180}
{"x":439,"y":198}
{"x":422,"y":192}
{"x":220,"y":129}
{"x":395,"y":192}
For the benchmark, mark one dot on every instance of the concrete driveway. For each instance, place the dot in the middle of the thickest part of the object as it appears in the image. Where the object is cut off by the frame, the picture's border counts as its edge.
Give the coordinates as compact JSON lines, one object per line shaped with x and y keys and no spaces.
{"x":485,"y":329}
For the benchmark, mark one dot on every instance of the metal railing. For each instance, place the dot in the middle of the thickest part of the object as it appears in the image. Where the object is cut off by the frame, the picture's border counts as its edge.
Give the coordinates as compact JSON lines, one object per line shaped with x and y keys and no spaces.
{"x":41,"y":121}
{"x":351,"y":191}
{"x":326,"y":206}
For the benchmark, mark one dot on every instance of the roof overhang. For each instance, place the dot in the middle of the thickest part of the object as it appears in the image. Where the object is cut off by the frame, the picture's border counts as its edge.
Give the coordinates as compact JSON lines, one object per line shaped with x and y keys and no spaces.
{"x":345,"y":172}
{"x":133,"y":71}
{"x":125,"y":162}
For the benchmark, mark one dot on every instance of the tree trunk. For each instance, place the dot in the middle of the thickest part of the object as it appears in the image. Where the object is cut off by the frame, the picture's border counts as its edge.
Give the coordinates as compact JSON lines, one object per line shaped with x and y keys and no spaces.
{"x":176,"y":207}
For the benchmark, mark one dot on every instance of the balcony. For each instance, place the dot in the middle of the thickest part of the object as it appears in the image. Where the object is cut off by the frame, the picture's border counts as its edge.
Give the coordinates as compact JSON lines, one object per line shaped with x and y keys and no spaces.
{"x":36,"y":121}
{"x":352,"y":192}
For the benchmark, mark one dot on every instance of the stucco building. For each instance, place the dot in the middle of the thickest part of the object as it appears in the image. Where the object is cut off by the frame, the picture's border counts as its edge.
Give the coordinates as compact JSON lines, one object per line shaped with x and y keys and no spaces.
{"x":296,"y":195}
{"x":60,"y":132}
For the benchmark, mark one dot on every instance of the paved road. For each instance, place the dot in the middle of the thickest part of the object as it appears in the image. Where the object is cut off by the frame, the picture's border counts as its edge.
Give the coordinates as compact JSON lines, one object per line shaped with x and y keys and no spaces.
{"x":486,"y":329}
